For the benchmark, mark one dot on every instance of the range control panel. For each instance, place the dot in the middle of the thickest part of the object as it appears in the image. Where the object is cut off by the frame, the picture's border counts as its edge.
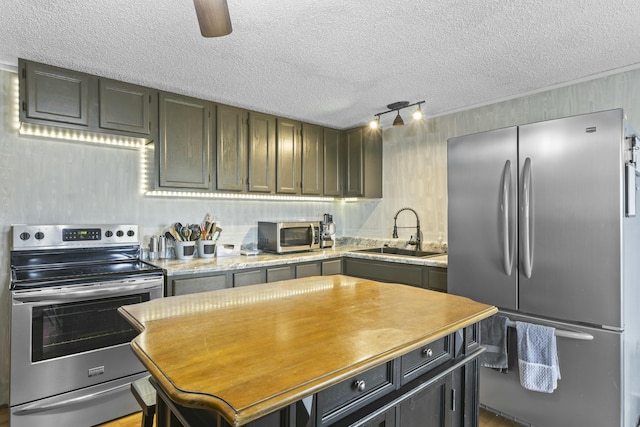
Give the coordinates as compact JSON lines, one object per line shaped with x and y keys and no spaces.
{"x":59,"y":236}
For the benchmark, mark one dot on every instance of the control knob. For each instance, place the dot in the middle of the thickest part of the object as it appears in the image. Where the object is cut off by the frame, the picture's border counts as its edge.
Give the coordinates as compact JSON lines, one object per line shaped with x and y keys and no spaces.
{"x":108,"y":233}
{"x":119,"y":233}
{"x":39,"y":235}
{"x":25,"y":236}
{"x":130,"y":233}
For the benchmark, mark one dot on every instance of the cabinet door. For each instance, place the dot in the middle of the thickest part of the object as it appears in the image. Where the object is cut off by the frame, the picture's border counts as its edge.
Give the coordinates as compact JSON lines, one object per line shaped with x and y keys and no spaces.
{"x":372,"y":152}
{"x":125,"y":107}
{"x":312,"y":159}
{"x":436,"y":279}
{"x":198,"y":284}
{"x":353,"y":162}
{"x":185,"y":135}
{"x":54,"y":94}
{"x":288,"y":168}
{"x":262,"y":153}
{"x":332,"y":175}
{"x":386,"y":419}
{"x":430,"y":407}
{"x":331,"y":267}
{"x":389,"y":272}
{"x":231,"y":143}
{"x":279,"y":273}
{"x":251,"y":277}
{"x":308,"y":270}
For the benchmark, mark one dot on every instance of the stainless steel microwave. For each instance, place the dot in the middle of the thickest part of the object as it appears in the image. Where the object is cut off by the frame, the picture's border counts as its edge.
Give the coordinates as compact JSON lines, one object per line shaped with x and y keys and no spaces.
{"x":288,"y":236}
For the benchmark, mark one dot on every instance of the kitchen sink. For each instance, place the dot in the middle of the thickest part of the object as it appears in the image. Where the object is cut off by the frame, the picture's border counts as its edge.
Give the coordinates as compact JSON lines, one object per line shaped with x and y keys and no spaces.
{"x":397,"y":251}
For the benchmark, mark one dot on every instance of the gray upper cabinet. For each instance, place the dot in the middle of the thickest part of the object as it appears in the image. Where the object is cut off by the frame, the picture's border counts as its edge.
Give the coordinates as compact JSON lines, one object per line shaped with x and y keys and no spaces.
{"x":262,"y":153}
{"x":372,"y":173}
{"x":353,"y":157}
{"x":184,"y":145}
{"x":54,"y":94}
{"x":332,"y":175}
{"x":125,"y":107}
{"x":231,"y":149}
{"x":288,"y":157}
{"x":362,"y":158}
{"x":312,"y":160}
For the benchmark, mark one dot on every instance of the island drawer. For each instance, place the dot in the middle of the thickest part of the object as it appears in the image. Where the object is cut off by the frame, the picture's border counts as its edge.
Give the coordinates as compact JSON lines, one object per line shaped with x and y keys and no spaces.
{"x":349,"y":395}
{"x":425,"y":358}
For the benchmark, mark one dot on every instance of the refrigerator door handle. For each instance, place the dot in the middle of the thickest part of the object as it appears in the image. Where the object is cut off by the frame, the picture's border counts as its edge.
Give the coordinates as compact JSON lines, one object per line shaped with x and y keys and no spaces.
{"x":507,"y":249}
{"x":563,"y":333}
{"x":526,"y":223}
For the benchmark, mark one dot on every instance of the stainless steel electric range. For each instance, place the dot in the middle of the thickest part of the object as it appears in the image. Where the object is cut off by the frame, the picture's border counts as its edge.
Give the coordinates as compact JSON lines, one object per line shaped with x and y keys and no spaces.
{"x":71,"y":363}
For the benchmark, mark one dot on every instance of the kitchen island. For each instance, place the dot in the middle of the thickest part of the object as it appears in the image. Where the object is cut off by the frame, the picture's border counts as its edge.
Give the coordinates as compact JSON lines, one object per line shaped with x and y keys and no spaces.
{"x":357,"y":349}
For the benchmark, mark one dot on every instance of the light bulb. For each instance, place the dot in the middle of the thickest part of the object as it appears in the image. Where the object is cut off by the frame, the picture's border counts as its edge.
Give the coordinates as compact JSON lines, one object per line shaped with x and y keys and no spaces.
{"x":417,"y":115}
{"x":374,"y":124}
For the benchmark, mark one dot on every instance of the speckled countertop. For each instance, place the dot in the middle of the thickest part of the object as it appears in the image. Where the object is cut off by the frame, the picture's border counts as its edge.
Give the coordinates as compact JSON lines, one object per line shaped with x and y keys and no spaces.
{"x":237,"y":262}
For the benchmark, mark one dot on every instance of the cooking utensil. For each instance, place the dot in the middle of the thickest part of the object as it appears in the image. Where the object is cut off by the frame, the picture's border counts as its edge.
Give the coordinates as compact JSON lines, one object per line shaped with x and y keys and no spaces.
{"x":175,"y":233}
{"x":195,"y":231}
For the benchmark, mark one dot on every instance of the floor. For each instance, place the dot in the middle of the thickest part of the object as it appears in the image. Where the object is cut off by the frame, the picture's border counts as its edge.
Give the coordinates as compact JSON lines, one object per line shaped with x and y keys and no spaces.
{"x":487,"y":419}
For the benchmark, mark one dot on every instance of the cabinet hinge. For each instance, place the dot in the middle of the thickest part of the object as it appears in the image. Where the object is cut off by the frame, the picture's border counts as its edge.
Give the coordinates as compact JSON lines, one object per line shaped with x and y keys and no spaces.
{"x":149,"y":98}
{"x":453,"y":399}
{"x":24,"y":105}
{"x":24,"y":73}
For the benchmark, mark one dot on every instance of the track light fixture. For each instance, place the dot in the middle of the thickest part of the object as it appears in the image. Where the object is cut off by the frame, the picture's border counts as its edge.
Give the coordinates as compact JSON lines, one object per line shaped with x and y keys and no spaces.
{"x":397,"y":106}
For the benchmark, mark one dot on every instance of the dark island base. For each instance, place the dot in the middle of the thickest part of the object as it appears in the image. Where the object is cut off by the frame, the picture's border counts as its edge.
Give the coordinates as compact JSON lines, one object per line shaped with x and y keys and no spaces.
{"x":436,"y":385}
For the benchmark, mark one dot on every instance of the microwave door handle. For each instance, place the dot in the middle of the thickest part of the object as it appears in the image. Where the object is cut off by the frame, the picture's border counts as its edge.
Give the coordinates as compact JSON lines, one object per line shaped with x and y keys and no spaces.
{"x":313,"y":235}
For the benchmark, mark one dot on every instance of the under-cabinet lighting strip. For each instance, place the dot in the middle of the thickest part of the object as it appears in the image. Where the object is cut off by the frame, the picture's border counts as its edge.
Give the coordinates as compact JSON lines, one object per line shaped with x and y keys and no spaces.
{"x":79,"y":135}
{"x":194,"y":194}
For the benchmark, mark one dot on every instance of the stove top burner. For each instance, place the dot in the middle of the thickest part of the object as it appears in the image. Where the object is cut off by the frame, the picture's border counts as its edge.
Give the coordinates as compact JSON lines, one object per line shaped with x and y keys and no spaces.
{"x":74,"y":255}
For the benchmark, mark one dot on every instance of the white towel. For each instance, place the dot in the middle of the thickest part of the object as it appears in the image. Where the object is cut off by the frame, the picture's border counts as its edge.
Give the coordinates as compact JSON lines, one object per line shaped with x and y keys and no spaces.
{"x":537,"y":357}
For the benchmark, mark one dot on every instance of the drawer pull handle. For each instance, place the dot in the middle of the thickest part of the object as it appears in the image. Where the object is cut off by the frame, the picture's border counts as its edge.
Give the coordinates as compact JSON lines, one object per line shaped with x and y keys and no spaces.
{"x":359,"y":385}
{"x":427,"y":352}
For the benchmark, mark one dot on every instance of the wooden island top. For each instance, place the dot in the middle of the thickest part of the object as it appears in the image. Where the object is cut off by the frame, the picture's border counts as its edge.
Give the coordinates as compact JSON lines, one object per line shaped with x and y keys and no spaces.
{"x":246,"y":352}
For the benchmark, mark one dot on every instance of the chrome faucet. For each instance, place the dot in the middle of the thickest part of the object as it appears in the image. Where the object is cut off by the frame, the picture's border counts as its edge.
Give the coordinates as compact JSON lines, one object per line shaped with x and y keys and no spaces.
{"x":418,"y":240}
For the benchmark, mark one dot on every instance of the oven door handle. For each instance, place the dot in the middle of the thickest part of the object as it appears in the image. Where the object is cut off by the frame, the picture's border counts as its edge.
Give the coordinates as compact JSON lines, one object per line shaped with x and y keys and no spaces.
{"x":98,"y":291}
{"x":35,"y":408}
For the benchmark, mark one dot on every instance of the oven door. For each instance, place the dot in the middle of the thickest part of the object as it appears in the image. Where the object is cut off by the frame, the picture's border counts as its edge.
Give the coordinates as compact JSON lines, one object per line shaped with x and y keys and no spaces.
{"x":67,"y":338}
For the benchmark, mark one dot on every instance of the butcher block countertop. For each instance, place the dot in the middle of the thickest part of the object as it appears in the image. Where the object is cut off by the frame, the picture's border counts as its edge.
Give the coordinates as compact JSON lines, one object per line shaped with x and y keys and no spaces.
{"x":246,"y":352}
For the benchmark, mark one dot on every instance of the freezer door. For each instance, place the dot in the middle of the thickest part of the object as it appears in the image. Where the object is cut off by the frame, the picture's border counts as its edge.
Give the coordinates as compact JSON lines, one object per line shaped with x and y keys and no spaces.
{"x":482,"y":186}
{"x":589,"y":390}
{"x":571,"y":218}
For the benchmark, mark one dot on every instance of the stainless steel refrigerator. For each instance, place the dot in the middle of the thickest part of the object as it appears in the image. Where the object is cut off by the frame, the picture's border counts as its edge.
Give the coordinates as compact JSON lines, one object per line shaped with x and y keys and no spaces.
{"x":541,"y":224}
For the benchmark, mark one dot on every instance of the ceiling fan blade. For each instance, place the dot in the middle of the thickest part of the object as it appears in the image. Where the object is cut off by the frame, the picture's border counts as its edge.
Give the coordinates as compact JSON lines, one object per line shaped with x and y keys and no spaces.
{"x":213,"y":17}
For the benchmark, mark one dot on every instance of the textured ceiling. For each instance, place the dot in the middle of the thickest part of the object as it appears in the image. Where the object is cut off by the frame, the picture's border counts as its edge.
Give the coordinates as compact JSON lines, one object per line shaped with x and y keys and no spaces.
{"x":330,"y":62}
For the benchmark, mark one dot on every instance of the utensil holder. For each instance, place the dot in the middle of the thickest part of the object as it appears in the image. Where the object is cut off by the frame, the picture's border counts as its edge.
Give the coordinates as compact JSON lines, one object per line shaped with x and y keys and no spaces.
{"x":206,"y":248}
{"x":185,"y":250}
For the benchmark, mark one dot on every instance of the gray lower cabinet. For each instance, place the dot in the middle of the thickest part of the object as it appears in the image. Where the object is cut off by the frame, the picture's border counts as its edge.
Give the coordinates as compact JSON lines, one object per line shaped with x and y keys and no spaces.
{"x":231,"y":149}
{"x":185,"y":141}
{"x":193,"y":285}
{"x":54,"y":94}
{"x":249,"y":277}
{"x":308,"y":270}
{"x":331,"y":267}
{"x":284,"y":272}
{"x":431,"y":407}
{"x":181,"y":284}
{"x":312,"y":160}
{"x":427,"y":277}
{"x":262,"y":153}
{"x":126,"y":107}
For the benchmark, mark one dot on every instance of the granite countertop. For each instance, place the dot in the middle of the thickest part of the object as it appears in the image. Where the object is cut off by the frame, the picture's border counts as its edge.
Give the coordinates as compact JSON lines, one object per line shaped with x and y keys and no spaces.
{"x":238,"y":262}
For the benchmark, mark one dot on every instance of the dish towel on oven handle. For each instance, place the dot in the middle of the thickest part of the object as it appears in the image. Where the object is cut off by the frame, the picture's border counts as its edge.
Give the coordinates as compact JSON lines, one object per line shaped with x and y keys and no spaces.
{"x":537,"y":357}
